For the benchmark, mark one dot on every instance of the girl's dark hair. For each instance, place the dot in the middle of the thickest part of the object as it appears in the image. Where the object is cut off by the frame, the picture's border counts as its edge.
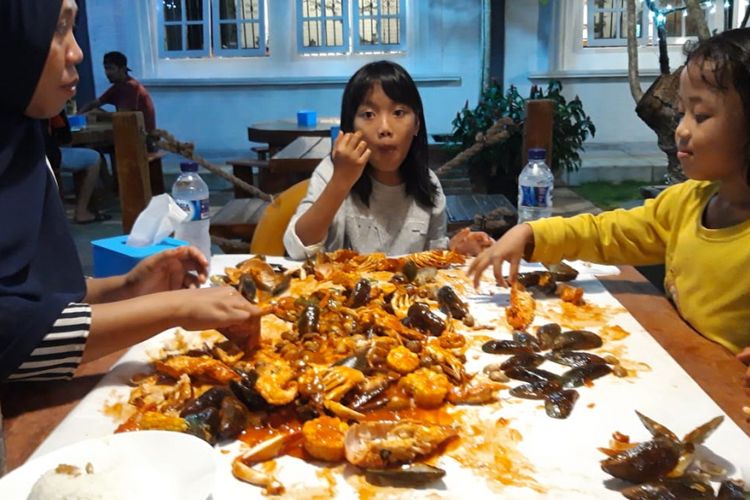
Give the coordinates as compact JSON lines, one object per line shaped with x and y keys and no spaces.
{"x":398,"y":85}
{"x":728,"y":54}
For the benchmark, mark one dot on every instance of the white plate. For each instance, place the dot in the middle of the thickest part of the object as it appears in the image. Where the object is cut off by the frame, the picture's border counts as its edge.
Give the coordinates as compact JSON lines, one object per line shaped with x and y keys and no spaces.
{"x":153,"y":464}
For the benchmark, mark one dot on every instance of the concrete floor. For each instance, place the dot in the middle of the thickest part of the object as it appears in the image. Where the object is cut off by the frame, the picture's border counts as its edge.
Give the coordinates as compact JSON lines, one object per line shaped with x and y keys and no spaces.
{"x":605,"y":162}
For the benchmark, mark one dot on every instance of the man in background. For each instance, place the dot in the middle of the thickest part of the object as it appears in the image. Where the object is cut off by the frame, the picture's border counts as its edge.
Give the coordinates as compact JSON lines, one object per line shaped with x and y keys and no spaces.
{"x":126,"y":93}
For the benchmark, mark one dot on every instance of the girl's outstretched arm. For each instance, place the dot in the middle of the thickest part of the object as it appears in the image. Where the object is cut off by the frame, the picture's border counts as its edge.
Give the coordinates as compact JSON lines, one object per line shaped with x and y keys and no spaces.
{"x":350,"y":156}
{"x":514,"y":245}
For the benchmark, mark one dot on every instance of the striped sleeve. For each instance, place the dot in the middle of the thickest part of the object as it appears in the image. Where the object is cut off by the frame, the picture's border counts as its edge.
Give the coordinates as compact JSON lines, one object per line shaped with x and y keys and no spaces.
{"x":59,"y":353}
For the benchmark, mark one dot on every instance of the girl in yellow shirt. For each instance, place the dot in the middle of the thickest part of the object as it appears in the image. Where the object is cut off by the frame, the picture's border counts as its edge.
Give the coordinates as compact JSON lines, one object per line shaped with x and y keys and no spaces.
{"x":699,"y":229}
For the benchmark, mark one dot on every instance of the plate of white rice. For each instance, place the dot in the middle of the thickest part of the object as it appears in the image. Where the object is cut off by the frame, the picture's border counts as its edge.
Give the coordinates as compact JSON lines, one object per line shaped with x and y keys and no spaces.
{"x":143,"y":465}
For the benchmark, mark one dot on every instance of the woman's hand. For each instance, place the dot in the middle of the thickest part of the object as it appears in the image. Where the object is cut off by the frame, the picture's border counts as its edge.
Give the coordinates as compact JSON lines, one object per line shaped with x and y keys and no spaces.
{"x":512,"y":247}
{"x":222,"y":308}
{"x":469,"y":242}
{"x":350,"y":155}
{"x":168,"y":270}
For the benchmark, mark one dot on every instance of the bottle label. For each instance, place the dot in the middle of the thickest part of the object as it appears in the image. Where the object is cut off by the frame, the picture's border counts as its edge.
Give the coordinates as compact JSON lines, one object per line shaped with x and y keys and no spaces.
{"x":535,"y":196}
{"x":196,"y":209}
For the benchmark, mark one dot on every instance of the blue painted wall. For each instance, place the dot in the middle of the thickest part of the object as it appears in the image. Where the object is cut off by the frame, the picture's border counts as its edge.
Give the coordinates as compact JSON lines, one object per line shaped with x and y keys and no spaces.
{"x":212,"y":101}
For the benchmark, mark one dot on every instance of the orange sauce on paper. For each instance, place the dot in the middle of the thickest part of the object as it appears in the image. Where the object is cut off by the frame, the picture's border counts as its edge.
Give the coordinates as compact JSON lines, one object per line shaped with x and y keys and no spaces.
{"x":578,"y":317}
{"x":613,"y":332}
{"x":326,"y":474}
{"x":489,"y":449}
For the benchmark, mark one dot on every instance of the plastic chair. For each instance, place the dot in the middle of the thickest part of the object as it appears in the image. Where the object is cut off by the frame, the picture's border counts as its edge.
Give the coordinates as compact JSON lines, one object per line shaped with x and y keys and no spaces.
{"x":268,"y":238}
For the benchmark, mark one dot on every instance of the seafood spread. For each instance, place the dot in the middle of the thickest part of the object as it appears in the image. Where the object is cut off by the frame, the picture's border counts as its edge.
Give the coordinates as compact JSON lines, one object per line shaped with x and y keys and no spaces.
{"x":366,"y":362}
{"x":667,"y":466}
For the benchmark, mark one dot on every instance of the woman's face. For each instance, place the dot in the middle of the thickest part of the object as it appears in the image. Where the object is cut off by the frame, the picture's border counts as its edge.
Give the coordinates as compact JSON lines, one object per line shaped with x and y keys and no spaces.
{"x":59,"y":76}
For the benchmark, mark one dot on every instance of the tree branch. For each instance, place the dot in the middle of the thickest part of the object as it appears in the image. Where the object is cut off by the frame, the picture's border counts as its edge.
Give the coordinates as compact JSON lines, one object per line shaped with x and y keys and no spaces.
{"x":633,"y":77}
{"x":694,"y":10}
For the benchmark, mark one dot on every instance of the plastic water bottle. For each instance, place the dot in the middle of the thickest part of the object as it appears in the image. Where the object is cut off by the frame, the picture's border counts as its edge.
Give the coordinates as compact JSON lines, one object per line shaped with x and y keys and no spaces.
{"x":535,"y":185}
{"x":191,"y":194}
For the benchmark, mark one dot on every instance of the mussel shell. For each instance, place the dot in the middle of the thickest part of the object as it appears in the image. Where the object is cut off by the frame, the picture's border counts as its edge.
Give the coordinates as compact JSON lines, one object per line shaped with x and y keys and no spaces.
{"x":204,"y":424}
{"x":210,"y":399}
{"x":420,"y":316}
{"x":523,"y":360}
{"x":245,"y":391}
{"x":560,"y":404}
{"x":701,"y":433}
{"x":576,"y":339}
{"x":306,"y":411}
{"x":645,"y":462}
{"x":309,"y":319}
{"x":409,"y":270}
{"x":356,"y":361}
{"x":247,"y":287}
{"x":529,"y":279}
{"x":451,"y":304}
{"x":360,"y":295}
{"x":731,"y":490}
{"x":530,"y":374}
{"x":574,"y":359}
{"x":282,"y":285}
{"x":562,"y":271}
{"x":232,"y":418}
{"x":576,"y":377}
{"x":405,"y":475}
{"x":526,"y":339}
{"x":671,"y":488}
{"x":505,"y":347}
{"x":535,"y":390}
{"x":546,"y":335}
{"x":656,"y":429}
{"x":547,"y":283}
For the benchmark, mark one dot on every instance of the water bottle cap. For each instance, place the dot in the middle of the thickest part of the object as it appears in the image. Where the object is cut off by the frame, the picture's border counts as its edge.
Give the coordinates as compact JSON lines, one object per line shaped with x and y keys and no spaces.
{"x":537,"y":154}
{"x":188,"y":166}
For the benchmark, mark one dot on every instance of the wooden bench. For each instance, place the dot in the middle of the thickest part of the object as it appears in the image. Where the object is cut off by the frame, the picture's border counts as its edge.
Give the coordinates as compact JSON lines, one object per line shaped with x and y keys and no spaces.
{"x":237,"y":220}
{"x":243,"y":168}
{"x":463,"y":209}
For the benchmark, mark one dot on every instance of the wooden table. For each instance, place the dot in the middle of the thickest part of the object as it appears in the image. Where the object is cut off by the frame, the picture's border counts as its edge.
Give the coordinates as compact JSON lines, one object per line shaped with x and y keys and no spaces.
{"x":97,"y":135}
{"x":301,"y":156}
{"x":279,"y":133}
{"x":32,"y":411}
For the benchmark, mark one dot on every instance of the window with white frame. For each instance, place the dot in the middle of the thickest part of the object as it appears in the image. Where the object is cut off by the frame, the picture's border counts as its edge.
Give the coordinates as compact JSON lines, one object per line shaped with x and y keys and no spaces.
{"x":204,"y":28}
{"x":604,"y":22}
{"x":350,"y":26}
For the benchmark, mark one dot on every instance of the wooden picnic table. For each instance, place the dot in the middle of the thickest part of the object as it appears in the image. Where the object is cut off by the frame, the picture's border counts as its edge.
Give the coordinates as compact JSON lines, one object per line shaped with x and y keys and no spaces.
{"x":301,"y":156}
{"x":33,"y":410}
{"x":279,"y":133}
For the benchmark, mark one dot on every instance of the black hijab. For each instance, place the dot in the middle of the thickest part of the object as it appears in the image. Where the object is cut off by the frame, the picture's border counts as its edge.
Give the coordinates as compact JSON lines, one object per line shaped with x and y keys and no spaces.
{"x":40,"y":273}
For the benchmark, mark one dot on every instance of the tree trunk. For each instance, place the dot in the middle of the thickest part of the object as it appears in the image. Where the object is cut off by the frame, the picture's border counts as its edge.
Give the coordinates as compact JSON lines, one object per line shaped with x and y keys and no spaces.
{"x":657,"y":107}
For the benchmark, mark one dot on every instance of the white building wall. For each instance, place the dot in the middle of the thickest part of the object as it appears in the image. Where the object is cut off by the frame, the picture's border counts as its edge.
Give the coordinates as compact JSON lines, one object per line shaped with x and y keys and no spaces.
{"x":212,"y":101}
{"x":543,"y":43}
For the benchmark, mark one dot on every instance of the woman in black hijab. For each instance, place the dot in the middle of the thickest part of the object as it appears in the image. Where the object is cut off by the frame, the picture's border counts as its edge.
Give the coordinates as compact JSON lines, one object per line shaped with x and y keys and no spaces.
{"x":50,"y":317}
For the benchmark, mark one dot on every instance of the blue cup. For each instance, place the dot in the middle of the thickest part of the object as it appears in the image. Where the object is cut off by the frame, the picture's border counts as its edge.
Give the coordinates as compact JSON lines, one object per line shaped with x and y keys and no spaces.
{"x":77,"y":122}
{"x":335,"y":129}
{"x":306,"y":118}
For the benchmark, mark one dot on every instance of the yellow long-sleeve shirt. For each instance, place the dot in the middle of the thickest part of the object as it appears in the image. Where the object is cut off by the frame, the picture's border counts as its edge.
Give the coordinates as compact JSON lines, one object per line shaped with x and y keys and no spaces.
{"x":706,"y":269}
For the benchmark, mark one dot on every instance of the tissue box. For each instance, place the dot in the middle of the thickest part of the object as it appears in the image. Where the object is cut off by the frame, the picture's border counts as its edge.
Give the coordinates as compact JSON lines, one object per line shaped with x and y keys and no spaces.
{"x":113,"y":256}
{"x":307,"y":118}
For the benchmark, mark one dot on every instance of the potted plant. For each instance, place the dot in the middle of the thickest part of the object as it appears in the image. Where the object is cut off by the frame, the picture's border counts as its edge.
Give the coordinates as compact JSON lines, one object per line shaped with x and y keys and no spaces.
{"x":495,"y":169}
